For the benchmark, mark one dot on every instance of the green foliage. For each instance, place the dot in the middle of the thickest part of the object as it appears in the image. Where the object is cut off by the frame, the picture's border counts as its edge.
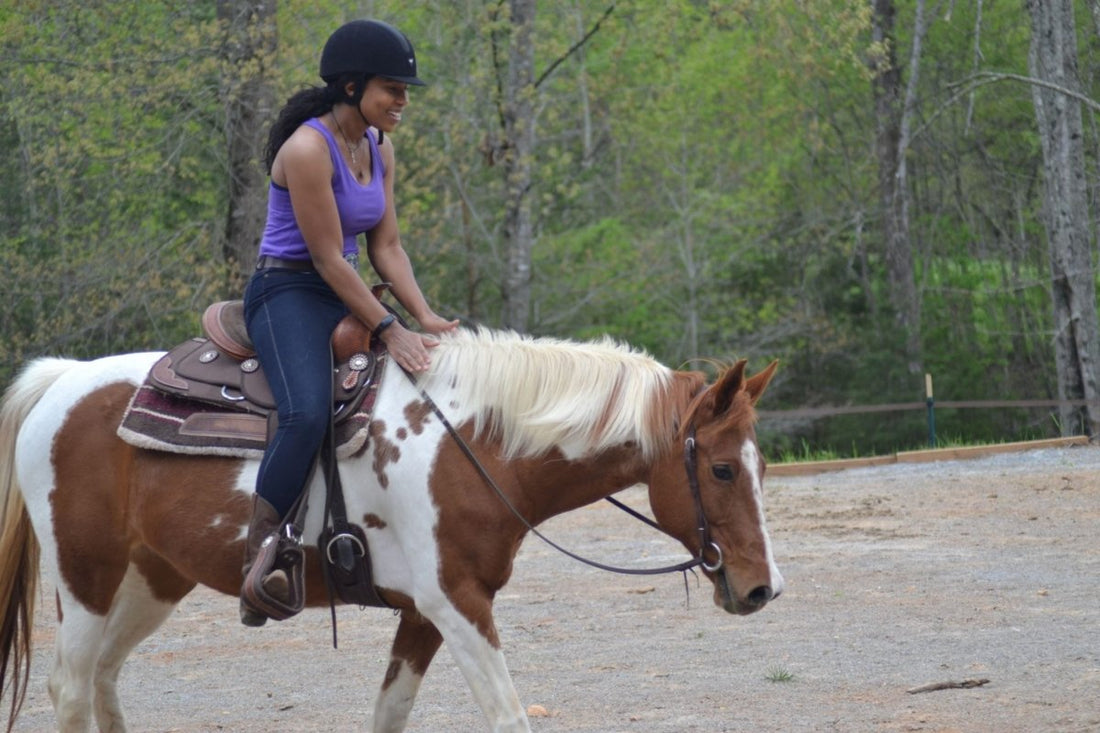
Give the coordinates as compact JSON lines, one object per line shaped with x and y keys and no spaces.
{"x":108,"y":110}
{"x":705,"y":187}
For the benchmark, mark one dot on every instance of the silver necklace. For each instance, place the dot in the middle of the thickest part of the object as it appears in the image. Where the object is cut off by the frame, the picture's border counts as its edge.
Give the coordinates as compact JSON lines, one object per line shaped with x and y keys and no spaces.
{"x":351,"y":149}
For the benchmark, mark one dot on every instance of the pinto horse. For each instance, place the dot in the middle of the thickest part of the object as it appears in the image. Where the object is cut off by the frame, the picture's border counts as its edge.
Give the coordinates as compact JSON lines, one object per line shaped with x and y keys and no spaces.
{"x":125,"y":533}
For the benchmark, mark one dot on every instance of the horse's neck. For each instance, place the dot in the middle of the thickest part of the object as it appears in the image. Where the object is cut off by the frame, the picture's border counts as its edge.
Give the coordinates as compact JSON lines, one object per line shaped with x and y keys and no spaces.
{"x":554,"y":487}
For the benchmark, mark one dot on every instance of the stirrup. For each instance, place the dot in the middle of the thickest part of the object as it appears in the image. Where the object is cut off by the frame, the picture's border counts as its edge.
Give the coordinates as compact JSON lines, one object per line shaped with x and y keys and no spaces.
{"x":277,"y":552}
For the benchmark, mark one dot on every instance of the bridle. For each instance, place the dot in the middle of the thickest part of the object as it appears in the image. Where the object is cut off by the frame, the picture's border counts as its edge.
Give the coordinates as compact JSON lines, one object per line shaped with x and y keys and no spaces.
{"x":705,"y":540}
{"x":690,"y":466}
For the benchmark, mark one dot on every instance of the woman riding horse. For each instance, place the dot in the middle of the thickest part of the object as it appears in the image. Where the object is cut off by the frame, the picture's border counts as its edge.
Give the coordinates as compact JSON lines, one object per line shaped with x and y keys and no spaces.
{"x":332,"y":178}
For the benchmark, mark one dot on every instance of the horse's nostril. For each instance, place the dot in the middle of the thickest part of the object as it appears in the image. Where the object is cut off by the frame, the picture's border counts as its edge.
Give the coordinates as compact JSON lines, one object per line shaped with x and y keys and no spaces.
{"x":760,"y":595}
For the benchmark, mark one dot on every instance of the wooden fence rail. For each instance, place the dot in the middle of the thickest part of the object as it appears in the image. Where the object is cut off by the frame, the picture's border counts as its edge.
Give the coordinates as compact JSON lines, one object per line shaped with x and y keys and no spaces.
{"x":831,"y":410}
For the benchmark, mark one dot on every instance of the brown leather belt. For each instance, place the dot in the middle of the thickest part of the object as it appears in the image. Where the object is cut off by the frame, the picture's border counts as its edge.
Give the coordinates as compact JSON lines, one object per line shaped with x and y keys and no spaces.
{"x":266,"y":261}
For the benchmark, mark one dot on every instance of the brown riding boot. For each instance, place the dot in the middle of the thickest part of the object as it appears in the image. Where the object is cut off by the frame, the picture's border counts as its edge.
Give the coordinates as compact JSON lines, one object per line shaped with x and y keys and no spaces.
{"x":264,"y":523}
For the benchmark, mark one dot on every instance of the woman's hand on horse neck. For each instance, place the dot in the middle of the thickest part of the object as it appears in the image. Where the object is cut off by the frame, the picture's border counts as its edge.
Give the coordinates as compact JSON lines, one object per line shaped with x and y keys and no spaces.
{"x":409,"y":349}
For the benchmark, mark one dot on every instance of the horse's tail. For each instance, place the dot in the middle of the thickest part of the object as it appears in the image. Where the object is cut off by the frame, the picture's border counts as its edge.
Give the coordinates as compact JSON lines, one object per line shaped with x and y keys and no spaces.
{"x":18,"y":545}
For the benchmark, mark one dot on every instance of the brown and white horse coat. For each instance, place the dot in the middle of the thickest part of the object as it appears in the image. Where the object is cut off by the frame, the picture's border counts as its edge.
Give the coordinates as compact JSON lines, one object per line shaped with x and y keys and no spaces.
{"x":125,"y":533}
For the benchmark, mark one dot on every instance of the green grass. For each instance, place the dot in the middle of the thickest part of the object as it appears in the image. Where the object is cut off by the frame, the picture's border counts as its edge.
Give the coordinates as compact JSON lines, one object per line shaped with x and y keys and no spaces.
{"x":805,"y":453}
{"x":779,"y":674}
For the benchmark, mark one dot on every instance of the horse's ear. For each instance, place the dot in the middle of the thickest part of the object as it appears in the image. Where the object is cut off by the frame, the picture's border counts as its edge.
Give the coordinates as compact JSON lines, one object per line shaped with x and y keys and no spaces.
{"x":757,"y":383}
{"x":727,"y":386}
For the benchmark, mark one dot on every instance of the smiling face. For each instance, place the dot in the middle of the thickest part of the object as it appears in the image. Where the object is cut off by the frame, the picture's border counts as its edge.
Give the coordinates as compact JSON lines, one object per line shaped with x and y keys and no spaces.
{"x":383,"y":102}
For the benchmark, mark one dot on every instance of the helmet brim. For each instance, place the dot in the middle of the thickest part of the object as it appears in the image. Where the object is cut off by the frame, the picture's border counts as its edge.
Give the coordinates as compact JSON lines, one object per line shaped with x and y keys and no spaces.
{"x":414,"y":81}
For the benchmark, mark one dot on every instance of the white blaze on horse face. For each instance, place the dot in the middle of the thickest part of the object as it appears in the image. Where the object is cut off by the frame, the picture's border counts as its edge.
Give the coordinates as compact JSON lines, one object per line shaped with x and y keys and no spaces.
{"x":750,"y":460}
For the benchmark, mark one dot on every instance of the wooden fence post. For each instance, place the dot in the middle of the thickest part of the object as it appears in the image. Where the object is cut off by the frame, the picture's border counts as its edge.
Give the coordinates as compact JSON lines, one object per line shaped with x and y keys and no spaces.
{"x":931,"y":411}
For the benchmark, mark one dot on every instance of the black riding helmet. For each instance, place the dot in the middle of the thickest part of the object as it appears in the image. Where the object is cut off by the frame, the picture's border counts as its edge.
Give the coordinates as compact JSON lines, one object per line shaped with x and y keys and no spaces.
{"x":369,"y":47}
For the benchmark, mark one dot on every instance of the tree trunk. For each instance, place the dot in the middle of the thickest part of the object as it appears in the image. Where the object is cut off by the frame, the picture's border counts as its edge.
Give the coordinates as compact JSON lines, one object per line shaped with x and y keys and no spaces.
{"x":518,"y":121}
{"x":891,"y":142}
{"x":1053,"y":59}
{"x":249,"y":98}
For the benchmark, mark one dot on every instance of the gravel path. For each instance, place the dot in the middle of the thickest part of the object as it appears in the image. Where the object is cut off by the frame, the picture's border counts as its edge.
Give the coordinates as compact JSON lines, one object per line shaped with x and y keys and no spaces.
{"x":897,"y":576}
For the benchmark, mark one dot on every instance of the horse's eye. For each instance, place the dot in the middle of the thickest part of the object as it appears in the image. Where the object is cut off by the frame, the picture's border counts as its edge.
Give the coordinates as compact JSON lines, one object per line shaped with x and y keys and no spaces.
{"x":722,"y":471}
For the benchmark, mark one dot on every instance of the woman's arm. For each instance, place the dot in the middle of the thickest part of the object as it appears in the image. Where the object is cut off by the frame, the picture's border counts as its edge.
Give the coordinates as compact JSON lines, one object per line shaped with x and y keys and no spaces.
{"x":391,"y":262}
{"x":304,"y":163}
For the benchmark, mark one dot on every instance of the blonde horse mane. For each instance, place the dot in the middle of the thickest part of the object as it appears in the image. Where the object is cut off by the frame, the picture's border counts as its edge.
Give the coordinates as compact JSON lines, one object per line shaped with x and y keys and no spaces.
{"x":535,"y":394}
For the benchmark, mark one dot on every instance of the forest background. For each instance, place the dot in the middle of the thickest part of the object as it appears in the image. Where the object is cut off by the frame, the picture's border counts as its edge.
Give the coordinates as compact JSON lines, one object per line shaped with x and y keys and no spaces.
{"x":867,"y":190}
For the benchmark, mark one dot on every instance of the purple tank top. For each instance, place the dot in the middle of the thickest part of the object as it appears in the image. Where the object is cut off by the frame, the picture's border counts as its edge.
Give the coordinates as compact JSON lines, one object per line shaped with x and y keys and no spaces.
{"x":360,"y":206}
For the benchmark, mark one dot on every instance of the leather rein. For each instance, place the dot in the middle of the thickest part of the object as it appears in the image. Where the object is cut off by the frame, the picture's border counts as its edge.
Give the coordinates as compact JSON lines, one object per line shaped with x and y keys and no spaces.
{"x":690,"y":466}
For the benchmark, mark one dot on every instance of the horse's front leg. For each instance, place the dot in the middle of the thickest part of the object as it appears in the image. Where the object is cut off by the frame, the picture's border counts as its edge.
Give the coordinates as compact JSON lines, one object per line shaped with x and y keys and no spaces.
{"x":476,"y":649}
{"x":415,"y":644}
{"x":481,"y":662}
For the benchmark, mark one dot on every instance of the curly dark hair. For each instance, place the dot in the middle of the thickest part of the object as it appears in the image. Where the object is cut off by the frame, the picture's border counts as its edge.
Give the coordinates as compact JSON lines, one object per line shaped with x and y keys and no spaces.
{"x":309,"y":103}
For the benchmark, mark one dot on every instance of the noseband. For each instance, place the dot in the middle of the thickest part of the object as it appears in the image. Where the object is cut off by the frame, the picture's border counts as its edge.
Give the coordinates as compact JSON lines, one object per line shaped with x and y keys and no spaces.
{"x":705,"y":540}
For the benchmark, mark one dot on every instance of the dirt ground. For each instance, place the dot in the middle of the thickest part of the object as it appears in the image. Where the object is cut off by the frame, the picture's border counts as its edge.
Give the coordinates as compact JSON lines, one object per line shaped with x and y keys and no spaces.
{"x":897,"y":577}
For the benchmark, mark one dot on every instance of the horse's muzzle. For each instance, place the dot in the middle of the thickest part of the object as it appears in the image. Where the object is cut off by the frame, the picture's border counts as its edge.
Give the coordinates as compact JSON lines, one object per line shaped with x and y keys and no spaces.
{"x":726,"y":597}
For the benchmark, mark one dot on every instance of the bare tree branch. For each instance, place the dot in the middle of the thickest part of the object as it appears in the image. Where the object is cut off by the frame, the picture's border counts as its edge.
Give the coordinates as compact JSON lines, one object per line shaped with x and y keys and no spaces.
{"x":977,"y":60}
{"x":983,"y":78}
{"x":989,"y":77}
{"x":575,"y":47}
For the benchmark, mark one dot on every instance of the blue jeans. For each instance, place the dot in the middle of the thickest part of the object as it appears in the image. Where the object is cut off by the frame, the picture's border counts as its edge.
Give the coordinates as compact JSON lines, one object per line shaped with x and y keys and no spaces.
{"x":290,"y":317}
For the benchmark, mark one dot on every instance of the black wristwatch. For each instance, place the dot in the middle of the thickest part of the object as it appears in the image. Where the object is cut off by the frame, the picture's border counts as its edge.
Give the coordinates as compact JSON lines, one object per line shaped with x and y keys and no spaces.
{"x":385,"y":323}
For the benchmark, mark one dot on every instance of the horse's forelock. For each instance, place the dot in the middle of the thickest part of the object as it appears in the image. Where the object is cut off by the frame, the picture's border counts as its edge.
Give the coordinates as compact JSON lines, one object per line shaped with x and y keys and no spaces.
{"x":535,"y":394}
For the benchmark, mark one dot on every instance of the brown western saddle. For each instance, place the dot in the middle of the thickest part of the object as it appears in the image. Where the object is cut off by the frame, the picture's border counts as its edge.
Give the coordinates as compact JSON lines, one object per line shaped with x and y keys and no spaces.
{"x":222,"y":371}
{"x":210,"y":396}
